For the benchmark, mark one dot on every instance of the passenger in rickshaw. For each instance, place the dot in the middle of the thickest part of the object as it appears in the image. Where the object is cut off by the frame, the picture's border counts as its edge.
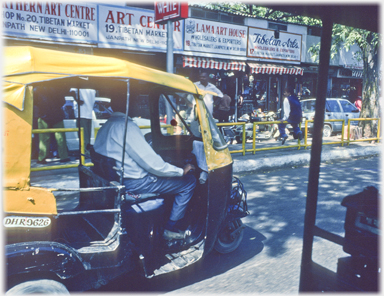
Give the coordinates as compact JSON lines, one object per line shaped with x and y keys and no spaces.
{"x":48,"y":103}
{"x":144,"y":170}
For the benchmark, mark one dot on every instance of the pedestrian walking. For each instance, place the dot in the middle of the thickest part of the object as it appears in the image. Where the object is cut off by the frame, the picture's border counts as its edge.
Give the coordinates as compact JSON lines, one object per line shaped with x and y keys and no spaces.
{"x":223,"y":109}
{"x":86,"y":102}
{"x":205,"y":85}
{"x":291,"y":113}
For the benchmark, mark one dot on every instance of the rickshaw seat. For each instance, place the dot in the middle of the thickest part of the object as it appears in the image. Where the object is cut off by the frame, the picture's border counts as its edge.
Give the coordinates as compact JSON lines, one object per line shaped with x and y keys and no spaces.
{"x":104,"y":167}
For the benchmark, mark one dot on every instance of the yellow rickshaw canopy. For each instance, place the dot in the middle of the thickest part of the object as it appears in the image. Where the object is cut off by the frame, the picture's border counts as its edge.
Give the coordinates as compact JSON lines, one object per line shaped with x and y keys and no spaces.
{"x":24,"y":65}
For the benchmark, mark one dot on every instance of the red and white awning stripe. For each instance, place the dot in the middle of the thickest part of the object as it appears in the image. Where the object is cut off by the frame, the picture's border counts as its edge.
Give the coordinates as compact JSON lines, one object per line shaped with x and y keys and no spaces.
{"x":208,"y":63}
{"x":274,"y":69}
{"x":358,"y":74}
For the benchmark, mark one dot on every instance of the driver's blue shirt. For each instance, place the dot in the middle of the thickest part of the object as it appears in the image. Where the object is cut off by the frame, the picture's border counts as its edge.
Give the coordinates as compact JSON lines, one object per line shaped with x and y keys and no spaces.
{"x":140,"y":159}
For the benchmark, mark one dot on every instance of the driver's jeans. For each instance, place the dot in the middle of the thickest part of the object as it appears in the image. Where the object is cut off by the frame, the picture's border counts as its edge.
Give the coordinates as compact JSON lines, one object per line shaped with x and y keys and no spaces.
{"x":182,"y":187}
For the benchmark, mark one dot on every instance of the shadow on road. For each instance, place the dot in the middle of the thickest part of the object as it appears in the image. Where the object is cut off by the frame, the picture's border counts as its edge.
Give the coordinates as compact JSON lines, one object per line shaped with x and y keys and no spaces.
{"x":212,"y":265}
{"x":276,"y":199}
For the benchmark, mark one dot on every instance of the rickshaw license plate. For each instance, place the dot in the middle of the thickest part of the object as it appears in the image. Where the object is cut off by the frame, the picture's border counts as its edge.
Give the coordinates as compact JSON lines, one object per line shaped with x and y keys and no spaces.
{"x":28,"y":222}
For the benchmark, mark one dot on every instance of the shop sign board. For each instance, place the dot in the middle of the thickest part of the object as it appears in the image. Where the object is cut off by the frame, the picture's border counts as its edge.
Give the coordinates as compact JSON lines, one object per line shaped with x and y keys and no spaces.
{"x":123,"y":27}
{"x":67,"y":22}
{"x":165,"y":11}
{"x":214,"y":37}
{"x":263,"y":45}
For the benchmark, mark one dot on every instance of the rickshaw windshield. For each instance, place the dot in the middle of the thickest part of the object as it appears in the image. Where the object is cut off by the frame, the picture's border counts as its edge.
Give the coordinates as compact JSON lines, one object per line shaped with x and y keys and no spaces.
{"x":178,"y":116}
{"x":218,"y":141}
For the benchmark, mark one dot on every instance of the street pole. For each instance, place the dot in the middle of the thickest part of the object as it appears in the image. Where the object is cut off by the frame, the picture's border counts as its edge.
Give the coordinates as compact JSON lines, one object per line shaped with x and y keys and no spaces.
{"x":237,"y":98}
{"x":307,"y":280}
{"x":169,"y":109}
{"x":169,"y":46}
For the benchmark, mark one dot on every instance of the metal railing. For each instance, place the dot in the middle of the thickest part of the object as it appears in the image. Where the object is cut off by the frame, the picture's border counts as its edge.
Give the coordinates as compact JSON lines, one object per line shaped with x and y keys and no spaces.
{"x":254,"y":149}
{"x":299,"y":145}
{"x":64,"y":166}
{"x":170,"y":130}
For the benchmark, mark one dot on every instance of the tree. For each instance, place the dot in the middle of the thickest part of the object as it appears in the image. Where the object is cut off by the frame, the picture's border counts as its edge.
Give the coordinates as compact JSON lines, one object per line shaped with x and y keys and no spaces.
{"x":369,"y":43}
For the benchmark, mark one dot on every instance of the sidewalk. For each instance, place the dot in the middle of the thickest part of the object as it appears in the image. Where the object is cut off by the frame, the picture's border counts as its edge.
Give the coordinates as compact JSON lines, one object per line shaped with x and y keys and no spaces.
{"x":261,"y":160}
{"x":290,"y":157}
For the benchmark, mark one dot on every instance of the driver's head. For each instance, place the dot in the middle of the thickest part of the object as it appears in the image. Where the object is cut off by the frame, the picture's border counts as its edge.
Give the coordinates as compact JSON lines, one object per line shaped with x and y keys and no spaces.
{"x":204,"y":78}
{"x":119,"y":105}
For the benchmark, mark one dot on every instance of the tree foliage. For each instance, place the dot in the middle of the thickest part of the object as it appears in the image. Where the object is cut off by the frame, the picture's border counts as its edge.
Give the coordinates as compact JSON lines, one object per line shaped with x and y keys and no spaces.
{"x":249,"y":9}
{"x":368,"y":43}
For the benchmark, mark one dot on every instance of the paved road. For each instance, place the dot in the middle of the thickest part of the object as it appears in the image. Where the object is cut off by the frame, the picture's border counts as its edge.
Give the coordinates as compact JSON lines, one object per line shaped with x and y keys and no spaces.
{"x":268,"y":259}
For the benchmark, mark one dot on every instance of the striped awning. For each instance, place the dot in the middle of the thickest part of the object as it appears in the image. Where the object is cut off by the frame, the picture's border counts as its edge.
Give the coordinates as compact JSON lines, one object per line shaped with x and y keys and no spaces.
{"x":357,"y":73}
{"x":217,"y":64}
{"x":275,"y":69}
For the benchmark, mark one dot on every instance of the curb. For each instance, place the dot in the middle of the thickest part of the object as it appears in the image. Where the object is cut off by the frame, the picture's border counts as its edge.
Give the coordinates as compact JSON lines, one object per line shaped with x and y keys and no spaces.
{"x":299,"y":158}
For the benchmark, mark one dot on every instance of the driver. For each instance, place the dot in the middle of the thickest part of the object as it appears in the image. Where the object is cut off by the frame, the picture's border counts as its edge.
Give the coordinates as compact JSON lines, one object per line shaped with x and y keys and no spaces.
{"x":144,"y":170}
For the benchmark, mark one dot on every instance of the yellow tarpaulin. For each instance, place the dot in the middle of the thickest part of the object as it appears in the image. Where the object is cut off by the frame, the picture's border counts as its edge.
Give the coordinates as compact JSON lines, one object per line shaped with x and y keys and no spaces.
{"x":27,"y":65}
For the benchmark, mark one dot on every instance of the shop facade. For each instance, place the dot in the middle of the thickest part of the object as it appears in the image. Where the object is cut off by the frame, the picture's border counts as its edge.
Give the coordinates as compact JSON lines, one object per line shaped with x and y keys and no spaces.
{"x":248,"y":57}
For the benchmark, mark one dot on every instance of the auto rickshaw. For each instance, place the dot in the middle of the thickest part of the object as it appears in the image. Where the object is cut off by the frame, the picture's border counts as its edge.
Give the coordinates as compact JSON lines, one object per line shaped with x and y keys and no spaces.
{"x":104,"y":231}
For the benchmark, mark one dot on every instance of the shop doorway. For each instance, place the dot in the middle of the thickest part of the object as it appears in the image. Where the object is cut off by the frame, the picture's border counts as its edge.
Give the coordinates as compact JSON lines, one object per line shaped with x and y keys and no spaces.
{"x":274,"y":93}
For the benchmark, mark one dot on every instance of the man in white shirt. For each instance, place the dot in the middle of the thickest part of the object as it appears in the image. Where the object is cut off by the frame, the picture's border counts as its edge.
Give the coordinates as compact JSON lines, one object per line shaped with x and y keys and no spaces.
{"x":86,"y":101}
{"x":205,"y":85}
{"x":144,"y":170}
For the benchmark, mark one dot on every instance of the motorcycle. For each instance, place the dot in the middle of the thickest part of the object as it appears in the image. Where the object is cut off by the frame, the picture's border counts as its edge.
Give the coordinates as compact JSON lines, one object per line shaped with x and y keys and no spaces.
{"x":263,"y":131}
{"x":56,"y":245}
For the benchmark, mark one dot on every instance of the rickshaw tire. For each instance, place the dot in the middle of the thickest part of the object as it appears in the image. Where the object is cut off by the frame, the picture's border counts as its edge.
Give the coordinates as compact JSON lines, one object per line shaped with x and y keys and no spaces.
{"x":43,"y":286}
{"x":228,"y":246}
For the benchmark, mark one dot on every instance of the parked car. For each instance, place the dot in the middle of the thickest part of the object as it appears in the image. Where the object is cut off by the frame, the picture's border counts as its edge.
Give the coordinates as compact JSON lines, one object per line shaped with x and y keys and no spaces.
{"x":335,"y":108}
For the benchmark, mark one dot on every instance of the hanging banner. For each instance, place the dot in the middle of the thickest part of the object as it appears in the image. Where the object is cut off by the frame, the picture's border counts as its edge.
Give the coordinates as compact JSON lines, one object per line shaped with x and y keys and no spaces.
{"x":51,"y":21}
{"x":215,"y":37}
{"x":123,"y":27}
{"x":174,"y":11}
{"x":263,"y":45}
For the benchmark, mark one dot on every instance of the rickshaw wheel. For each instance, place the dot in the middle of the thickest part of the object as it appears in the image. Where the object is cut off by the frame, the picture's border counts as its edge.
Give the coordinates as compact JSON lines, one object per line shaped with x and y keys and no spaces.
{"x":38,"y":287}
{"x":226,"y":243}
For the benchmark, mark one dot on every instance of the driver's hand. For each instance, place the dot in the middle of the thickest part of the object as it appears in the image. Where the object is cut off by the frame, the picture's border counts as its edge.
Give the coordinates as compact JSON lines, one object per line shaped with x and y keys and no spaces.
{"x":188,"y":167}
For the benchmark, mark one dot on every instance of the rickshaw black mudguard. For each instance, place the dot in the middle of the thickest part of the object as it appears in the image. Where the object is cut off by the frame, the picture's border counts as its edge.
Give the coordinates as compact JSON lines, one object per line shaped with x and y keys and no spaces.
{"x":42,"y":257}
{"x":52,"y":259}
{"x":219,"y":190}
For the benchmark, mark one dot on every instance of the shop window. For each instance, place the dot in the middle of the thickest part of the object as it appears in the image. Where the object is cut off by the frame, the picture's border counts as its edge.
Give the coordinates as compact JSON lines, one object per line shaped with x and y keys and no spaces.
{"x":308,"y":87}
{"x":225,"y":18}
{"x":238,"y":20}
{"x":344,"y":88}
{"x":212,"y":16}
{"x":278,"y":27}
{"x":198,"y":13}
{"x":314,"y":31}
